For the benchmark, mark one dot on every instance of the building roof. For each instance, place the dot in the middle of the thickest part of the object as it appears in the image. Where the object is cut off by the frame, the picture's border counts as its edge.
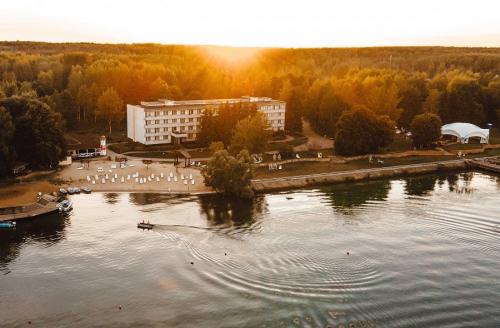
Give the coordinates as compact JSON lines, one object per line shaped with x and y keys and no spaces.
{"x":172,"y":103}
{"x":464,"y":130}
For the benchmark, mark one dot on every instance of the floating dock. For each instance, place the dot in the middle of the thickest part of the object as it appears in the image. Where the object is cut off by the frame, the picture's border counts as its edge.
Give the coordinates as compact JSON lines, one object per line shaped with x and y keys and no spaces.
{"x":46,"y":204}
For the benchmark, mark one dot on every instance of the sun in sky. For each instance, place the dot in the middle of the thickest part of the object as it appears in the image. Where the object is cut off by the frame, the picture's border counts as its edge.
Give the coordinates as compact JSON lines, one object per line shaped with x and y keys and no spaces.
{"x":261,"y":23}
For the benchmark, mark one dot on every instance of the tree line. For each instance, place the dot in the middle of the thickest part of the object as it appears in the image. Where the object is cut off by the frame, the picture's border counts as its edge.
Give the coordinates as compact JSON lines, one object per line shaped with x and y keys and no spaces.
{"x":88,"y":85}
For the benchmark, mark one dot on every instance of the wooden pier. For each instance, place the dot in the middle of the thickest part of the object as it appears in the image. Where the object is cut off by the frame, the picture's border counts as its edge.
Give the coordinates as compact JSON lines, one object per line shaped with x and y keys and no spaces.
{"x":46,"y":204}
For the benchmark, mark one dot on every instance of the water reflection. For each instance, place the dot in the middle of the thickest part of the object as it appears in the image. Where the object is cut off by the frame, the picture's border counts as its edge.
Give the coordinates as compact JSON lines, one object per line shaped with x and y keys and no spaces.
{"x":46,"y":231}
{"x":155,"y":198}
{"x":420,"y":185}
{"x":345,"y":197}
{"x":111,"y":197}
{"x":460,"y":183}
{"x":220,"y":210}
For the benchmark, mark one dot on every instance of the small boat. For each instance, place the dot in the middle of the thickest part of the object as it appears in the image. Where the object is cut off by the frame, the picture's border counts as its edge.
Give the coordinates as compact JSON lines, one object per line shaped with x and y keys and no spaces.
{"x":86,"y":190}
{"x":145,"y":225}
{"x":63,"y":191}
{"x":8,"y":224}
{"x":65,"y":206}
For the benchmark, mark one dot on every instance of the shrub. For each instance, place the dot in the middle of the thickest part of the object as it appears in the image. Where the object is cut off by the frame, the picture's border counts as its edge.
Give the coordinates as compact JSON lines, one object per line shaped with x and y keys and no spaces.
{"x":360,"y":131}
{"x":425,"y":129}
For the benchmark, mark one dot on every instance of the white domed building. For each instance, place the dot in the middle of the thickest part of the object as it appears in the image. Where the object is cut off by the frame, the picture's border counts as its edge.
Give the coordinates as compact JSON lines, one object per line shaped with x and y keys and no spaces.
{"x":464,"y":131}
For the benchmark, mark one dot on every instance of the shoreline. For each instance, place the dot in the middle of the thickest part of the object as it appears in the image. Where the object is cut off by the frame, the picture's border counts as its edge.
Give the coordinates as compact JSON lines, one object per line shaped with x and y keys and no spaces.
{"x":310,"y":180}
{"x":258,"y":185}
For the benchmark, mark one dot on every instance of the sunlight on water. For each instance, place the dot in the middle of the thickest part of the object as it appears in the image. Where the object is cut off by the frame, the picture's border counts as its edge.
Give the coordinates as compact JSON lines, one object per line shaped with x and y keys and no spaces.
{"x":416,"y":252}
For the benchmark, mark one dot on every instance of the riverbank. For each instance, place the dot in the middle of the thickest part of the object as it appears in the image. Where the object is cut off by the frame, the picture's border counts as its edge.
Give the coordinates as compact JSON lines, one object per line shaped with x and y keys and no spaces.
{"x":301,"y":181}
{"x":76,"y":175}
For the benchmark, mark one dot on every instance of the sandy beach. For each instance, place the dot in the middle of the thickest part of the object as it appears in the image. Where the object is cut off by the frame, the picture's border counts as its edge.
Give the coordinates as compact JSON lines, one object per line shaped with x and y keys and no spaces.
{"x":133,"y":177}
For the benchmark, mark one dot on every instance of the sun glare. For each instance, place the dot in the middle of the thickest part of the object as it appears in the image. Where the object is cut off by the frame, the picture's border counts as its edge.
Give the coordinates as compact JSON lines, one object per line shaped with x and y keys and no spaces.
{"x":231,"y":55}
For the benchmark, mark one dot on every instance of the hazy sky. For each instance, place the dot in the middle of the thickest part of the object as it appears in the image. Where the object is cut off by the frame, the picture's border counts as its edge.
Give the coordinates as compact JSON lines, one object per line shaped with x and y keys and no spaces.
{"x":285,"y":23}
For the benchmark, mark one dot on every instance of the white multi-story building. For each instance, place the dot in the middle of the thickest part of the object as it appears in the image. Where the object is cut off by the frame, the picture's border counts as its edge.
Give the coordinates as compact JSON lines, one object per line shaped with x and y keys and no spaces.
{"x":170,"y":121}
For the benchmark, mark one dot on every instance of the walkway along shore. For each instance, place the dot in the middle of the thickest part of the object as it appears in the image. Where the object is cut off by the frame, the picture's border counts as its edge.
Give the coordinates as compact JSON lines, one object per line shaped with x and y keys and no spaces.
{"x":301,"y":181}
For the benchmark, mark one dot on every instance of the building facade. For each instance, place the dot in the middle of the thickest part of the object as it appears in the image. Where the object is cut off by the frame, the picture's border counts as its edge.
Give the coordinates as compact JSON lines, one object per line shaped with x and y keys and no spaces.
{"x":169,"y":121}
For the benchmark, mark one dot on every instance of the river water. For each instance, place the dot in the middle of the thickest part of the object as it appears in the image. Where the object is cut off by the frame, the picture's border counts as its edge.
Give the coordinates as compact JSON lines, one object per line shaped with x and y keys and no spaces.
{"x":423,"y":252}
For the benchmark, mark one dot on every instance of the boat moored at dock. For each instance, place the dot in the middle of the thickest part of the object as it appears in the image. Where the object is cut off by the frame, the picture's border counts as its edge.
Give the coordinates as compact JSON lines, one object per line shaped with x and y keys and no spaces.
{"x":65,"y":206}
{"x":7,"y":224}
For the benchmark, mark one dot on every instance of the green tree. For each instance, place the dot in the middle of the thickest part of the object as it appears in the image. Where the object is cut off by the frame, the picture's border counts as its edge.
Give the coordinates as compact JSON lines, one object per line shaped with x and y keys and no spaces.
{"x":230,"y":175}
{"x":463,"y":102}
{"x":109,"y":106}
{"x":360,"y":131}
{"x":216,"y":146}
{"x":251,"y":133}
{"x":45,"y":83}
{"x":425,"y":129}
{"x":330,"y":108}
{"x":7,"y":153}
{"x":38,"y":137}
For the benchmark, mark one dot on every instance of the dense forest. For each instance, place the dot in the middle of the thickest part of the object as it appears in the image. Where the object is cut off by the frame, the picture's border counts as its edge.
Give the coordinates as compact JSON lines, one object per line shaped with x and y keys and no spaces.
{"x":89,"y":84}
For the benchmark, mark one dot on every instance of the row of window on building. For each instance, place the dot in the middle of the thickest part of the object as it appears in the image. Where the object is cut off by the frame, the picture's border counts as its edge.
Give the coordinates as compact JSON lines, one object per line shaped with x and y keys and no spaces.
{"x":173,"y":112}
{"x":279,"y":114}
{"x":168,"y":129}
{"x":173,"y":120}
{"x":190,"y":136}
{"x":157,"y":113}
{"x":271,"y":107}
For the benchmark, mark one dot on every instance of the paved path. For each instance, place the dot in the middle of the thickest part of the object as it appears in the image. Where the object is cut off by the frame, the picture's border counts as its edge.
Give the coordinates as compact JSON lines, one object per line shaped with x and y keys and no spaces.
{"x":314,"y":142}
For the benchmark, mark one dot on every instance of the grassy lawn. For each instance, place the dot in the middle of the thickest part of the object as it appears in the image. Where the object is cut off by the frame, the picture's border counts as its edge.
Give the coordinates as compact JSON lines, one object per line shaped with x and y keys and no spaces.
{"x":301,"y":168}
{"x":459,"y":146}
{"x":199,"y":154}
{"x":486,"y":153}
{"x":90,"y":138}
{"x":400,"y":144}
